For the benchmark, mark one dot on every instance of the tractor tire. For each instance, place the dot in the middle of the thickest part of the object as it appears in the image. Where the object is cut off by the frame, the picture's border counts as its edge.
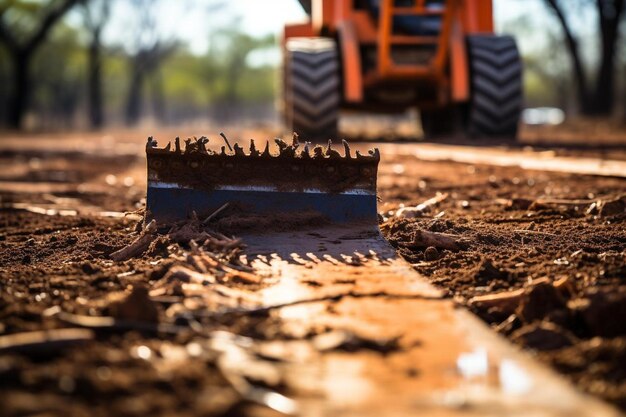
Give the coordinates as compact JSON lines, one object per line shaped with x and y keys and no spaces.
{"x":444,"y":123}
{"x":495,"y":87}
{"x":312,"y":88}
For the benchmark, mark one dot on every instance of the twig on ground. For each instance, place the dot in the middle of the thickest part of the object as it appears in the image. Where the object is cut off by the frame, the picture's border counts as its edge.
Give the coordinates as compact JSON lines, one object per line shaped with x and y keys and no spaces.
{"x":412,"y":212}
{"x":215,"y":213}
{"x":44,"y":341}
{"x":424,"y":239}
{"x":535,"y":232}
{"x":111,"y":323}
{"x":505,"y":301}
{"x":139,"y":245}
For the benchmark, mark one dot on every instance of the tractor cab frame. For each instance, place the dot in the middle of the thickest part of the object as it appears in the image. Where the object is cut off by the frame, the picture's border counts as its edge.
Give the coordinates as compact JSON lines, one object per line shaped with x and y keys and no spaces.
{"x":440,"y":56}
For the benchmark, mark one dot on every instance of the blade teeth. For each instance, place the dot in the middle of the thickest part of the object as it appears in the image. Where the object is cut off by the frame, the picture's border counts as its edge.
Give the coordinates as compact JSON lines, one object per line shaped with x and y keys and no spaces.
{"x":253,"y":150}
{"x":266,"y":151}
{"x":318,"y":152}
{"x":305,"y":151}
{"x":285,"y":150}
{"x":239,"y":150}
{"x":151,"y":143}
{"x":346,"y":148}
{"x":330,"y":152}
{"x":282,"y":145}
{"x":202,"y":144}
{"x":198,"y":145}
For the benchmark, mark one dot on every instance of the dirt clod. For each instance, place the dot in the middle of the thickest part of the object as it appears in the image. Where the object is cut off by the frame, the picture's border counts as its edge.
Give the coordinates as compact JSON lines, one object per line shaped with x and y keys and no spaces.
{"x":543,"y":336}
{"x":538,"y":301}
{"x":431,"y":254}
{"x":605,"y":313}
{"x":487,"y":272}
{"x":613,"y":207}
{"x":136,"y":306}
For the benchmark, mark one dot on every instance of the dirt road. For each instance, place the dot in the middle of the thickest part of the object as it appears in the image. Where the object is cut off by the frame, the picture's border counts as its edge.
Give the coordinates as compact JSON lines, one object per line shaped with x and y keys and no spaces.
{"x":553,"y":243}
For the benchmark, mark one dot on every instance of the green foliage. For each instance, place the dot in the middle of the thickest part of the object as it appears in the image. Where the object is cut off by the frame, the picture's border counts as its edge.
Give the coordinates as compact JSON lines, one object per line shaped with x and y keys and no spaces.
{"x":223,"y":76}
{"x":191,"y":84}
{"x":59,"y":64}
{"x":24,"y":16}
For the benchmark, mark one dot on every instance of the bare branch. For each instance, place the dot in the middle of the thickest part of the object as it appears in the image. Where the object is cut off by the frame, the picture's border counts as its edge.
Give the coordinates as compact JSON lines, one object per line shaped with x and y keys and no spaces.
{"x":48,"y":22}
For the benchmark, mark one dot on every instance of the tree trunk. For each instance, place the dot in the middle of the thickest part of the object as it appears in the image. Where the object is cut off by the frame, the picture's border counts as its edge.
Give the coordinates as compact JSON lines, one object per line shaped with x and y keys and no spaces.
{"x":572,"y":48}
{"x":603,"y":100}
{"x":18,"y":99}
{"x":96,"y":116}
{"x":158,"y":97}
{"x":135,"y":96}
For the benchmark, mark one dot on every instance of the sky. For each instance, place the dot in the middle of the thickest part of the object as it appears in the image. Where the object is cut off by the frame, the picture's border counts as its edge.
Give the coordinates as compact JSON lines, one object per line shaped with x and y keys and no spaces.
{"x":189,"y":21}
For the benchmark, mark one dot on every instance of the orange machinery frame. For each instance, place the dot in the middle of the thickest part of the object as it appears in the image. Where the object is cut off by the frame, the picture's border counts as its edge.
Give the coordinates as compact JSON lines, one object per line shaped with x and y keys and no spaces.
{"x":354,"y":27}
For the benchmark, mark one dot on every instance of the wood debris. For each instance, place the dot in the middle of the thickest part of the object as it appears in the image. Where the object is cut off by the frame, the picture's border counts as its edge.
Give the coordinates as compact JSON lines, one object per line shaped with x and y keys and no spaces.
{"x":509,"y":301}
{"x":420,"y":209}
{"x":604,"y":207}
{"x":139,"y":245}
{"x":44,"y":341}
{"x":425,"y":239}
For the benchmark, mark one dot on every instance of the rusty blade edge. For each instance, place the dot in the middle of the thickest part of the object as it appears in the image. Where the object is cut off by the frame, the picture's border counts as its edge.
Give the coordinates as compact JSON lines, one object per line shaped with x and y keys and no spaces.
{"x":197,"y":146}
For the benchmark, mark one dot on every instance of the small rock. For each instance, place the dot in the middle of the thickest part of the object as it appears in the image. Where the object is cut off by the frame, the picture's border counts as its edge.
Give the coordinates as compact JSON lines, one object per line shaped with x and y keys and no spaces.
{"x":487,"y":271}
{"x":543,"y":336}
{"x":605,"y":313}
{"x":136,"y":306}
{"x":431,"y":254}
{"x":538,"y":301}
{"x":520,"y":203}
{"x":89,"y":268}
{"x":613,"y":207}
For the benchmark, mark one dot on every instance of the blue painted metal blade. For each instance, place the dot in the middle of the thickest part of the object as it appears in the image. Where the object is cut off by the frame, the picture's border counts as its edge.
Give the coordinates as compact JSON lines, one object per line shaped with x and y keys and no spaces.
{"x":340,"y":188}
{"x":168,"y":205}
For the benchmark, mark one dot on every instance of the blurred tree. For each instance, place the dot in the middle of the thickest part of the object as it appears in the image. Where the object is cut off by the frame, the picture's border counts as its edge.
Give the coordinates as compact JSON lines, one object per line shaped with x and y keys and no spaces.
{"x":96,"y":13}
{"x":24,"y":26}
{"x":236,"y":47}
{"x":5,"y":76}
{"x":59,"y":68}
{"x":599,"y":99}
{"x":148,"y":52}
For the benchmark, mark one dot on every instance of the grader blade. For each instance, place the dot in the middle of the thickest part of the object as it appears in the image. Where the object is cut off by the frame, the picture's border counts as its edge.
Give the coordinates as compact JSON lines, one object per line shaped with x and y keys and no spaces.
{"x":181,"y":181}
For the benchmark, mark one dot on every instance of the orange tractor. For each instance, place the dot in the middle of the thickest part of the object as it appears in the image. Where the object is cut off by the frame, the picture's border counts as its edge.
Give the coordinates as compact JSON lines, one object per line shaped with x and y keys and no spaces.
{"x":440,"y":56}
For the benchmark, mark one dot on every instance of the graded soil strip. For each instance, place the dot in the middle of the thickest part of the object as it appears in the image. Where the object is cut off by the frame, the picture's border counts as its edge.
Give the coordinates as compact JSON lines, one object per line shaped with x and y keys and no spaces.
{"x":436,"y":358}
